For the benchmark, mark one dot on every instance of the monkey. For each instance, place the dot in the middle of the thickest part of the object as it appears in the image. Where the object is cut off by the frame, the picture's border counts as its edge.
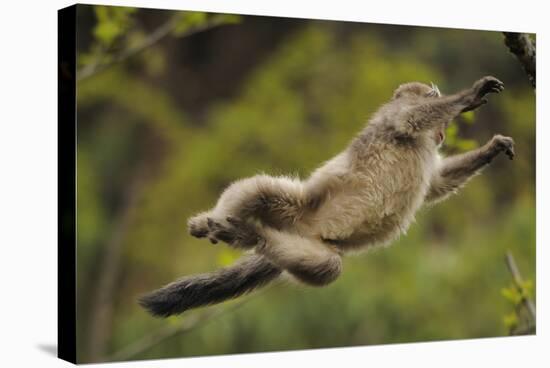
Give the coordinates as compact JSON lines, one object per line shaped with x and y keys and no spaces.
{"x":366,"y":195}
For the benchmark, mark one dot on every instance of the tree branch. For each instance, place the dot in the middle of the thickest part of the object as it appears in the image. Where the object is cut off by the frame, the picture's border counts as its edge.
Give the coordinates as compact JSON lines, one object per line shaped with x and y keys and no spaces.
{"x":520,"y":44}
{"x":189,"y":323}
{"x":154,"y":37}
{"x":518,"y":281}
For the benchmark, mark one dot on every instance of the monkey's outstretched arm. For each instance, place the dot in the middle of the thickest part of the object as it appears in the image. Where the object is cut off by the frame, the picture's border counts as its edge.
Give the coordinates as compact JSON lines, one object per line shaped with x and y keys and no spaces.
{"x":440,"y":111}
{"x":455,"y":171}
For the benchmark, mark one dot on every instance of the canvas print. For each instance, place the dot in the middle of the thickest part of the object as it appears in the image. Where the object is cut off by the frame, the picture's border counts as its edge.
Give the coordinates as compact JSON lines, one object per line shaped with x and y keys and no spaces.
{"x":257,"y":183}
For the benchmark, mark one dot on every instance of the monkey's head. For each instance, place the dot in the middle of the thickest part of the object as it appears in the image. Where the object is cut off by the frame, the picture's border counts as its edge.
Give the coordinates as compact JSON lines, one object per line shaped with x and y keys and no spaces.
{"x":421,"y":90}
{"x":416,"y":89}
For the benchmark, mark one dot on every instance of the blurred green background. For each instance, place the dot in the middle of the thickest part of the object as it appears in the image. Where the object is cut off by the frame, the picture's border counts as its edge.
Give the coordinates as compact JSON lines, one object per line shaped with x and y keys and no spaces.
{"x":173,"y":106}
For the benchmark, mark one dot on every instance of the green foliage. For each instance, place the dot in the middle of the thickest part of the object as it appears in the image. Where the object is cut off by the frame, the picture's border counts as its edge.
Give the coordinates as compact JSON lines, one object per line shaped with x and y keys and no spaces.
{"x":112,"y":22}
{"x":184,"y":22}
{"x":187,"y":20}
{"x":295,"y":108}
{"x":114,"y":28}
{"x":518,"y":295}
{"x":116,"y":36}
{"x":510,"y":320}
{"x":512,"y":294}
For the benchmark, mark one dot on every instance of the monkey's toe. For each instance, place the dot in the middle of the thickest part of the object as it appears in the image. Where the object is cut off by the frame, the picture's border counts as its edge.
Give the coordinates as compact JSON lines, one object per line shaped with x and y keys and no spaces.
{"x":214,"y":225}
{"x":198,"y":233}
{"x":220,"y":232}
{"x":236,"y":233}
{"x":226,"y":236}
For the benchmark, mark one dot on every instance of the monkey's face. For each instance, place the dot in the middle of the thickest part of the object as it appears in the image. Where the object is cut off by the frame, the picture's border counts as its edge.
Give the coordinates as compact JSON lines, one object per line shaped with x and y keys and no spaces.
{"x":417,"y":89}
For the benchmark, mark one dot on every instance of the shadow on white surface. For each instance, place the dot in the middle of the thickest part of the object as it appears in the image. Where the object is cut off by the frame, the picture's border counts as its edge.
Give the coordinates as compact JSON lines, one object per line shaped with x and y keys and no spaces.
{"x":50,"y":349}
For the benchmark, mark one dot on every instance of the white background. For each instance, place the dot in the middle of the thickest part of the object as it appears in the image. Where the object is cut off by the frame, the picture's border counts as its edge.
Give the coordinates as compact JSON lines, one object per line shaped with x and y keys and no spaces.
{"x":28,"y":182}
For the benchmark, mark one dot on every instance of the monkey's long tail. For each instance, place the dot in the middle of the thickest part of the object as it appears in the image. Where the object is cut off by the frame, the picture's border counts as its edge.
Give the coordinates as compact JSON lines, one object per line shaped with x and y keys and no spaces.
{"x":247,"y":274}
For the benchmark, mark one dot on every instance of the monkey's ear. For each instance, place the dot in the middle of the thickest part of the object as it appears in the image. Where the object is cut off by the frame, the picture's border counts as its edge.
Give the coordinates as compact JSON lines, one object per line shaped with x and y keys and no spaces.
{"x":398,"y":93}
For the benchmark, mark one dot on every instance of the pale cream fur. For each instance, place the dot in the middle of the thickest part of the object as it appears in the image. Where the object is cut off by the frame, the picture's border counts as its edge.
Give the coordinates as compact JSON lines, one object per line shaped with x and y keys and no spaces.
{"x":366,"y":195}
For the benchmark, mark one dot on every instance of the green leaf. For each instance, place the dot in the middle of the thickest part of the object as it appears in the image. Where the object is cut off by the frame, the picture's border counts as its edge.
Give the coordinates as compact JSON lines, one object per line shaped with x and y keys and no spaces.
{"x":227,"y":256}
{"x":112,"y":21}
{"x":512,"y":294}
{"x":122,"y":13}
{"x":226,"y":18}
{"x":468,"y":117}
{"x":510,"y":320}
{"x":196,"y":18}
{"x":101,"y":13}
{"x":188,"y":20}
{"x":466,"y":144}
{"x":106,"y":32}
{"x":527,"y":288}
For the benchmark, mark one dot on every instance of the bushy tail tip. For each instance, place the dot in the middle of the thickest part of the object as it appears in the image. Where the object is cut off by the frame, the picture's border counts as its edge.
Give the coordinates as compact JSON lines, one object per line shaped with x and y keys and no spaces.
{"x":249,"y":273}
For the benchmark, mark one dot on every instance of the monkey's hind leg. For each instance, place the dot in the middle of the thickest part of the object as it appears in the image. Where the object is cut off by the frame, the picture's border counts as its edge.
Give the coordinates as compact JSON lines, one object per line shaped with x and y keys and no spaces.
{"x":276,"y":201}
{"x":309,"y":260}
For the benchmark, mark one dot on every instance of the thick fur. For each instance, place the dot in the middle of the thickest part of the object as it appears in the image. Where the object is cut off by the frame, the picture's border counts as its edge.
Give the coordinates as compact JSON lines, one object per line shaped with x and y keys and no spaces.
{"x":249,"y":273}
{"x":367,"y":195}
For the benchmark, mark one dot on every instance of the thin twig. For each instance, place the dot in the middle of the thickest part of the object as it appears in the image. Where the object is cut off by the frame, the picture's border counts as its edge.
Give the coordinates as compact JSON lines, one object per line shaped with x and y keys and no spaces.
{"x":166,"y":332}
{"x":524,"y":49}
{"x":518,"y":280}
{"x":189,"y":323}
{"x":154,"y":37}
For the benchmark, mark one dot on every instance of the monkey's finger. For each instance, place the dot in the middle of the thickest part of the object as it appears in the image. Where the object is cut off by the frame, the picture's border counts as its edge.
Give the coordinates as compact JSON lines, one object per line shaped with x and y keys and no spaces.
{"x":250,"y":240}
{"x":213,"y":225}
{"x":210,"y":222}
{"x":498,"y":87}
{"x":510,"y":153}
{"x":213,"y":240}
{"x":234,"y":221}
{"x":198,"y":233}
{"x":225,"y":236}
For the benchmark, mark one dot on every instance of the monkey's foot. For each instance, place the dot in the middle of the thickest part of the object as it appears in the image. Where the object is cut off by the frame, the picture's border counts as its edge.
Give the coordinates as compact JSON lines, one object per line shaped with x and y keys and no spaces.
{"x":504,"y":144}
{"x":236,"y":232}
{"x":198,"y":225}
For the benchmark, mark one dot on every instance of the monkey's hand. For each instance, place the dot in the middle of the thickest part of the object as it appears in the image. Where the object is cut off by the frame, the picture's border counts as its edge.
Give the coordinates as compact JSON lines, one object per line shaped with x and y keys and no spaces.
{"x":237,"y":233}
{"x":484,"y":86}
{"x":500,"y":143}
